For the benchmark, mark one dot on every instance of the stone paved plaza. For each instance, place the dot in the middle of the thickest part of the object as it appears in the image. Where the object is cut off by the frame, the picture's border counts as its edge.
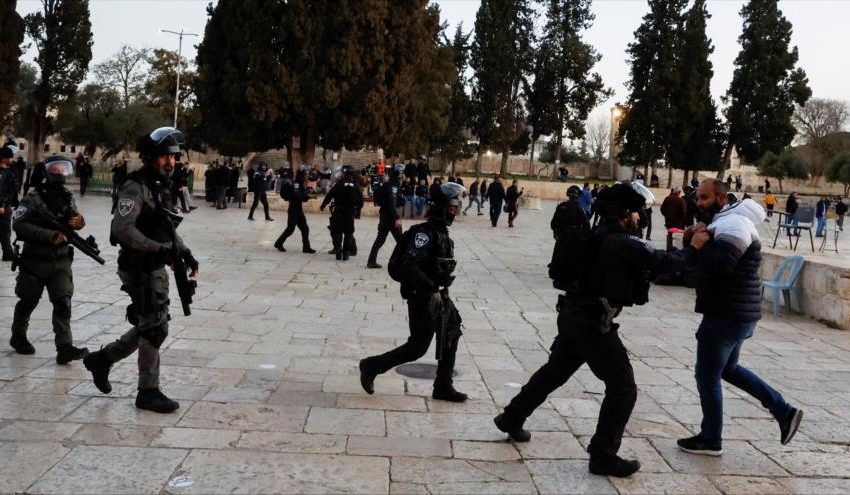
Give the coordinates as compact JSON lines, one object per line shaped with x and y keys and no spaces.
{"x":266,"y":374}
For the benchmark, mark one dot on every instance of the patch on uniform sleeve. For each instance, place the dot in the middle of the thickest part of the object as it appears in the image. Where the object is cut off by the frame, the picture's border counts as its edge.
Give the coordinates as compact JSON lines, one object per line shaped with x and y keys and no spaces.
{"x":125,"y":206}
{"x":19,"y":212}
{"x":421,"y":239}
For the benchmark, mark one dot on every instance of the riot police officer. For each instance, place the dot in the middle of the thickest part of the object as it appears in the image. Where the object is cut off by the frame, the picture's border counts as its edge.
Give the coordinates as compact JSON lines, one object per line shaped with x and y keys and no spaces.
{"x":616,"y":273}
{"x":143,"y":226}
{"x":423,"y":261}
{"x":296,"y":194}
{"x":260,"y":180}
{"x":8,"y":199}
{"x":569,"y":213}
{"x":348,"y":201}
{"x":45,"y":261}
{"x":388,"y":198}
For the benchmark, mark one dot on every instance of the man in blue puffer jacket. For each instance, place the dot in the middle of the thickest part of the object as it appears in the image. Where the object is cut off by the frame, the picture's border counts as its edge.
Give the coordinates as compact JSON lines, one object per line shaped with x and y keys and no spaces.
{"x":729,"y":298}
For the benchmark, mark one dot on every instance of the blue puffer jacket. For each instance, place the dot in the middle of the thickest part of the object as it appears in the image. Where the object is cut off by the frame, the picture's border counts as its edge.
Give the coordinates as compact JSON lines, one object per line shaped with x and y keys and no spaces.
{"x":729,"y":285}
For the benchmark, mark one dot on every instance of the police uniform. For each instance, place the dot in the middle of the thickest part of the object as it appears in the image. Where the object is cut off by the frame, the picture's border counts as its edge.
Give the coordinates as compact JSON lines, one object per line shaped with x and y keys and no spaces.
{"x":617,"y":275}
{"x":347,"y":201}
{"x":423,"y":261}
{"x":296,"y":194}
{"x":139,"y":227}
{"x":8,"y":200}
{"x":45,"y":264}
{"x":389,"y":195}
{"x":260,"y":181}
{"x":569,"y":214}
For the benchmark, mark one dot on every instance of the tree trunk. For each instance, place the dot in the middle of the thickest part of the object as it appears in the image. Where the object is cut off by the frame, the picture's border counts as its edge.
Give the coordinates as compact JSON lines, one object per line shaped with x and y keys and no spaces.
{"x":307,"y":149}
{"x":646,"y":176}
{"x":725,"y":161}
{"x":531,"y":160}
{"x":503,"y":170}
{"x":685,"y":180}
{"x":669,"y":176}
{"x":478,"y":163}
{"x":37,"y":139}
{"x":780,"y":186}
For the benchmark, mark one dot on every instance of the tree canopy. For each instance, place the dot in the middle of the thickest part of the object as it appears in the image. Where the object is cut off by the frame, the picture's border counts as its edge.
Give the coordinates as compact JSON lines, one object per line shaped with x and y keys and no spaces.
{"x":11,"y":37}
{"x":839,"y":171}
{"x":786,"y":165}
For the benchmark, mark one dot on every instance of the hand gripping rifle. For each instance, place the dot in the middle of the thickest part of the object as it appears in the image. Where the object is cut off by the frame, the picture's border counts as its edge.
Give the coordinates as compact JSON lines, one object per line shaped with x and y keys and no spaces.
{"x":185,"y":286}
{"x":87,"y":246}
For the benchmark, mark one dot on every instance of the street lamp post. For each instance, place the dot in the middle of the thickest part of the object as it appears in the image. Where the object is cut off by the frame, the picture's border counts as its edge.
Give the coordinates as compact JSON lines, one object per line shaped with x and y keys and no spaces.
{"x":181,"y":34}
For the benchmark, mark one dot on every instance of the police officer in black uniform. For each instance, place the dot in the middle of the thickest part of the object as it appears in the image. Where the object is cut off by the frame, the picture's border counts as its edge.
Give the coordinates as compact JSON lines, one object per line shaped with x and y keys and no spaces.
{"x":296,"y":194}
{"x":260,"y":181}
{"x":8,"y":199}
{"x":423,"y":261}
{"x":143,"y":226}
{"x":348,"y":201}
{"x":617,"y":274}
{"x":388,"y":197}
{"x":45,"y":262}
{"x":569,"y":213}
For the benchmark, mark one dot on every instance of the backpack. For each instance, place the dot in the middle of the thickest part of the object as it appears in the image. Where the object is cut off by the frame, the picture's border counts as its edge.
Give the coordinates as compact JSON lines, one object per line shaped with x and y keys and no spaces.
{"x":569,"y":257}
{"x":394,"y":266}
{"x":286,"y":191}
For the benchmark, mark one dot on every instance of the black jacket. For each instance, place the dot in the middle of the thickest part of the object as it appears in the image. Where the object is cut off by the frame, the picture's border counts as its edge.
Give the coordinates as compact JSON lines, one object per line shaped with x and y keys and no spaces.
{"x":496,"y":192}
{"x":8,"y":189}
{"x":346,"y":197}
{"x":568,"y":214}
{"x":423,"y":260}
{"x":512,"y":195}
{"x":728,"y":284}
{"x":791,"y":205}
{"x":296,"y":194}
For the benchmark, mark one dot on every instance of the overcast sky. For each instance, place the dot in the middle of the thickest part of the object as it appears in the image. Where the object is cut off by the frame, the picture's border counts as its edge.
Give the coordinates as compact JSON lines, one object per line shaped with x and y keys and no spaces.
{"x":820,"y":28}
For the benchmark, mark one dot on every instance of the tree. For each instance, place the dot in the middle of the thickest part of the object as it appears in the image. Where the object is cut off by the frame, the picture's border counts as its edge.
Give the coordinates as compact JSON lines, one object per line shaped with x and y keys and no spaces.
{"x":786,"y":165}
{"x":501,"y":59}
{"x":20,"y":121}
{"x":11,"y":37}
{"x":647,"y":127}
{"x":765,"y":85}
{"x":696,"y":142}
{"x":61,"y":33}
{"x":454,"y":142}
{"x":819,"y":122}
{"x":576,"y":90}
{"x":540,"y":99}
{"x":598,"y":138}
{"x":839,"y":171}
{"x":125,"y":72}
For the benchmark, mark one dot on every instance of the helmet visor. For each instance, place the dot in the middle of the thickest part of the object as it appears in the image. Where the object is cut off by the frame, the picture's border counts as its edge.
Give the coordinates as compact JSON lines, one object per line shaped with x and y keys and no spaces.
{"x":161,"y":136}
{"x":63,"y":168}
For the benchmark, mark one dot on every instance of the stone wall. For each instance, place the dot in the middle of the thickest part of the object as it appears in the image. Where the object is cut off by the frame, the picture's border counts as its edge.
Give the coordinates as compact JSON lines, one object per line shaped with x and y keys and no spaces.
{"x":823,"y":290}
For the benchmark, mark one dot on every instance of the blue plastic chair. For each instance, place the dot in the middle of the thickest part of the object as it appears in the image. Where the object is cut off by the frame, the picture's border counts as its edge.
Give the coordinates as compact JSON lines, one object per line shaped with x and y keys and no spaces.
{"x":785,"y":280}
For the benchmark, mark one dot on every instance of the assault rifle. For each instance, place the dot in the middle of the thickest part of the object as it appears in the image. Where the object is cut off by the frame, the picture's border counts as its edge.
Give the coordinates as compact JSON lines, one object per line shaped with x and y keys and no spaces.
{"x":185,"y":286}
{"x":87,"y":246}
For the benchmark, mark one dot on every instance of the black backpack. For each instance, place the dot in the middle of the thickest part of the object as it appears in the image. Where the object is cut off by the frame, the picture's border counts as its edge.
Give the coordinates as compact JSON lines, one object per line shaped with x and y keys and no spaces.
{"x":569,"y":257}
{"x":394,"y":267}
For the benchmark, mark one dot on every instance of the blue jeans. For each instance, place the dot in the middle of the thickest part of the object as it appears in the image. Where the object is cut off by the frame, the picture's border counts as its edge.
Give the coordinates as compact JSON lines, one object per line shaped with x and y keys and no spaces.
{"x":419,"y":202}
{"x":792,"y":220}
{"x":719,"y":344}
{"x":408,"y":203}
{"x":473,"y":199}
{"x":821,"y":226}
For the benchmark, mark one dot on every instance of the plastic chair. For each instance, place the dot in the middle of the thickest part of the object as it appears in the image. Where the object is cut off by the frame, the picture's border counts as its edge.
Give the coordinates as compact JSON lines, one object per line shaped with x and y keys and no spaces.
{"x":785,"y":280}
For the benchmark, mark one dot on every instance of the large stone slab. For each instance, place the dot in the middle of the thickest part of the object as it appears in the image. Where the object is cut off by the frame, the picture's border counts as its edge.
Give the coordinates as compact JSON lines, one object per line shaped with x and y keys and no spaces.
{"x":237,"y":472}
{"x":345,"y":421}
{"x":302,"y":443}
{"x":37,"y":407}
{"x":447,"y":426}
{"x":244,"y":417}
{"x":739,"y":458}
{"x":395,"y":446}
{"x":415,"y":470}
{"x":111,"y":470}
{"x":23,"y":463}
{"x":567,"y":476}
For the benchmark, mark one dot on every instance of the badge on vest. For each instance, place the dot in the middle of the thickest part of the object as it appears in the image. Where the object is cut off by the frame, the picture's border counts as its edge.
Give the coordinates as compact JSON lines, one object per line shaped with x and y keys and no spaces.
{"x":19,"y":213}
{"x":125,"y":206}
{"x":421,"y":239}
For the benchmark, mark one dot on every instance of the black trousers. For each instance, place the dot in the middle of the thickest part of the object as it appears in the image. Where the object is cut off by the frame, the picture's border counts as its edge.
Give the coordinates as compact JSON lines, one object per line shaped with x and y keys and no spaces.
{"x":221,"y":199}
{"x":495,"y":212}
{"x":295,"y":219}
{"x":342,"y":231}
{"x":424,"y":315}
{"x":385,"y":227}
{"x":6,"y":233}
{"x":581,"y":341}
{"x":260,"y":197}
{"x":84,"y":184}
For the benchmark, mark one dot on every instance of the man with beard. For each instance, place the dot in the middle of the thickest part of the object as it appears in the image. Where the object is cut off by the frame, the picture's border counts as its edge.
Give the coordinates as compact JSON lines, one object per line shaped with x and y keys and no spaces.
{"x":729,"y":298}
{"x":616,"y":269}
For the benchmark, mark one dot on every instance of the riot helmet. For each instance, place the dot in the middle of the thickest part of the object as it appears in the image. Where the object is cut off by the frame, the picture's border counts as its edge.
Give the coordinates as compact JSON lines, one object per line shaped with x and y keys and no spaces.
{"x":619,"y":201}
{"x":446,"y":203}
{"x":58,"y":169}
{"x":573,"y":192}
{"x":162,"y":141}
{"x":8,"y":151}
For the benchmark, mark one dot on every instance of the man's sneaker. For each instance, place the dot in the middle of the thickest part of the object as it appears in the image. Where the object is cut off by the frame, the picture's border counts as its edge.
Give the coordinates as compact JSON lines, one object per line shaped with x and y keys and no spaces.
{"x":367,"y":378}
{"x":516,"y":432}
{"x":790,"y":425}
{"x":67,"y":353}
{"x":21,"y":345}
{"x":99,"y":365}
{"x":372,"y":264}
{"x":696,"y":445}
{"x":612,"y":466}
{"x":152,"y":399}
{"x":448,"y":394}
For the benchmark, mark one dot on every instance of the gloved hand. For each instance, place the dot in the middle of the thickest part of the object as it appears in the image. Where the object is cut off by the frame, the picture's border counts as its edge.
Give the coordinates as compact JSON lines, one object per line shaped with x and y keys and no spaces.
{"x":190,"y":262}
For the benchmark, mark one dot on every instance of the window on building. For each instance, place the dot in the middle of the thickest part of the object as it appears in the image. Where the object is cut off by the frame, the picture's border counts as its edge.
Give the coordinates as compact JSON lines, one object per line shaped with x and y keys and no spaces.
{"x":46,"y":148}
{"x":73,"y":149}
{"x":62,"y":148}
{"x":23,"y":146}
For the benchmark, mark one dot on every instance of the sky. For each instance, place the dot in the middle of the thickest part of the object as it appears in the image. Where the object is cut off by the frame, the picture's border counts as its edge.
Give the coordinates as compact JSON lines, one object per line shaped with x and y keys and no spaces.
{"x":819,"y":33}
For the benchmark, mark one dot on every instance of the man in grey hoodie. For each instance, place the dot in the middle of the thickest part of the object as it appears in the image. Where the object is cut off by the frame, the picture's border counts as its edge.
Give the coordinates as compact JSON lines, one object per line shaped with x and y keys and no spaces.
{"x":729,"y":298}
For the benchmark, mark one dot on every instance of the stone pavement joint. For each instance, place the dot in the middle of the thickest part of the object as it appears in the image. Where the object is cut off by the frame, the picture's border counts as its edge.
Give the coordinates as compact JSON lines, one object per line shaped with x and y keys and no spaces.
{"x":266,"y":373}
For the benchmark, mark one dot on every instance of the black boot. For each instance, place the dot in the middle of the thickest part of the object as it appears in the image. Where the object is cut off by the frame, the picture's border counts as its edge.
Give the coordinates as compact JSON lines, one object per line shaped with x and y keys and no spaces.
{"x":372,"y":264}
{"x":367,"y":378}
{"x":279,"y":247}
{"x":152,"y":399}
{"x":613,"y":466}
{"x":21,"y":345}
{"x":512,"y":428}
{"x":308,"y":250}
{"x":67,"y":353}
{"x":448,"y":393}
{"x":99,"y":364}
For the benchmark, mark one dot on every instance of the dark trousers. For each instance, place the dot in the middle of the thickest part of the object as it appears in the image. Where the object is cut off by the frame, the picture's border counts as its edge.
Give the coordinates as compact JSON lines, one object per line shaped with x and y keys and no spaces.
{"x":221,"y":199}
{"x":581,"y":341}
{"x":495,"y":212}
{"x":513,"y":211}
{"x":260,"y":197}
{"x":178,"y":193}
{"x":295,"y":219}
{"x":6,"y":233}
{"x":424,"y":315}
{"x":648,"y":232}
{"x":84,"y":184}
{"x":385,"y":227}
{"x":342,"y":232}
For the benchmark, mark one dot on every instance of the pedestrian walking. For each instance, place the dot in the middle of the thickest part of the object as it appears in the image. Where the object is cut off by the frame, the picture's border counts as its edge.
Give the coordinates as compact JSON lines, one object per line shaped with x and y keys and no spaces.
{"x":512,"y":196}
{"x":261,"y":179}
{"x":496,"y":195}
